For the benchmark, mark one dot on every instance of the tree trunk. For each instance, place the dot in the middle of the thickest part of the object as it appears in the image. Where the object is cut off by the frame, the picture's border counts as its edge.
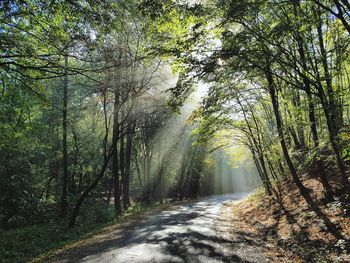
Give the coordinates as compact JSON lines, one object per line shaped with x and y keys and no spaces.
{"x":90,"y":188}
{"x":126,"y":181}
{"x":261,"y":174}
{"x":161,"y":171}
{"x":311,"y":113}
{"x":302,"y":190}
{"x":255,"y":144}
{"x":122,"y":159}
{"x":334,"y":122}
{"x":115,"y":159}
{"x":322,"y":174}
{"x":65,"y":179}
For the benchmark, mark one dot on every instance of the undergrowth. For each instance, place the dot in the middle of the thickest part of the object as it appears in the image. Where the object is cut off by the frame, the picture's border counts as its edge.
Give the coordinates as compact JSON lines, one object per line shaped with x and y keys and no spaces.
{"x":23,"y":244}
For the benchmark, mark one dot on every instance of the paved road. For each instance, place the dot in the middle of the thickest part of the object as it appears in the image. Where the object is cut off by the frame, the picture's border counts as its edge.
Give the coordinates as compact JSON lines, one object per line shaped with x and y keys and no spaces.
{"x":186,"y":233}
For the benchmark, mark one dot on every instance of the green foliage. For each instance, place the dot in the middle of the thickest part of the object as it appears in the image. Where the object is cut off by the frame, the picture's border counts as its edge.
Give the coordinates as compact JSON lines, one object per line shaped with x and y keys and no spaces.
{"x":345,"y":141}
{"x":23,"y":244}
{"x":114,"y":56}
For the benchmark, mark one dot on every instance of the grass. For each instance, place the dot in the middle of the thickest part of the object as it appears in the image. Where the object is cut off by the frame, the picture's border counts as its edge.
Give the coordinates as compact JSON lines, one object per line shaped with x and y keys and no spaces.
{"x":35,"y":243}
{"x":23,"y":244}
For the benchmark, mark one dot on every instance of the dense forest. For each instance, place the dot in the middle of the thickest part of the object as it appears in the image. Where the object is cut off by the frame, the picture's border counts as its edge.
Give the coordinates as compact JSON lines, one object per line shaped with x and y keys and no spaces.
{"x":107,"y":105}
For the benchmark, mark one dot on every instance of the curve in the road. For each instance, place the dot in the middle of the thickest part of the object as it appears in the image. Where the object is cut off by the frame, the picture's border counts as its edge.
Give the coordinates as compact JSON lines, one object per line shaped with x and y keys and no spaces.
{"x":186,"y":233}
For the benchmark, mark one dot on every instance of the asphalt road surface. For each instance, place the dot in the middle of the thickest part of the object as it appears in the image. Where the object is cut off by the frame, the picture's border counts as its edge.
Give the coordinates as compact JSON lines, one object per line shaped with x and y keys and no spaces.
{"x":185,"y":233}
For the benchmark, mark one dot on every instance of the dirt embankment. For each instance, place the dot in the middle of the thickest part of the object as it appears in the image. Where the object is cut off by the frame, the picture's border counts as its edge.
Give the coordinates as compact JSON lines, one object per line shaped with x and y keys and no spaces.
{"x":289,"y":231}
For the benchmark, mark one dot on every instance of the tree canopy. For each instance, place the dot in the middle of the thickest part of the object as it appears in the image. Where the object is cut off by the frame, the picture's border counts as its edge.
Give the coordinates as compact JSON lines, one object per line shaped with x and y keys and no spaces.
{"x":107,"y":104}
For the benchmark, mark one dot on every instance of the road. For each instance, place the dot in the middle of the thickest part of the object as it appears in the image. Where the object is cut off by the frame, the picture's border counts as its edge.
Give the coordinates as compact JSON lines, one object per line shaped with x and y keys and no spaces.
{"x":185,"y":233}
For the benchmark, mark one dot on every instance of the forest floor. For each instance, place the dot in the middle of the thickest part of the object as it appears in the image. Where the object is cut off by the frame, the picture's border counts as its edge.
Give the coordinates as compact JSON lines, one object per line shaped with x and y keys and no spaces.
{"x":292,"y":231}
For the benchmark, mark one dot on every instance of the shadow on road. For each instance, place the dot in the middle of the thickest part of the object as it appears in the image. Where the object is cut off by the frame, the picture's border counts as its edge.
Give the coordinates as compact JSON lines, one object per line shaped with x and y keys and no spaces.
{"x":184,"y":234}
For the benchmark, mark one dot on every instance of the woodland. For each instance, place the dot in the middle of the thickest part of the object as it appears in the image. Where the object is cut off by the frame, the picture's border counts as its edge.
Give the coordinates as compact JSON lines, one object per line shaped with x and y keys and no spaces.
{"x":109,"y":107}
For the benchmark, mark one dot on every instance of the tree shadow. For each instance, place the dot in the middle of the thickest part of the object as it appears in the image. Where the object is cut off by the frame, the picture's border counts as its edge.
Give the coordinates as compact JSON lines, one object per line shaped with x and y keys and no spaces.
{"x":186,"y":234}
{"x":299,"y":242}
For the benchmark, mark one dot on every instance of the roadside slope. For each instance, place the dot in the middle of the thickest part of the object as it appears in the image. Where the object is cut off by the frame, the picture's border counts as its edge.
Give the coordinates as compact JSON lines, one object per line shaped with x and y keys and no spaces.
{"x":290,"y":227}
